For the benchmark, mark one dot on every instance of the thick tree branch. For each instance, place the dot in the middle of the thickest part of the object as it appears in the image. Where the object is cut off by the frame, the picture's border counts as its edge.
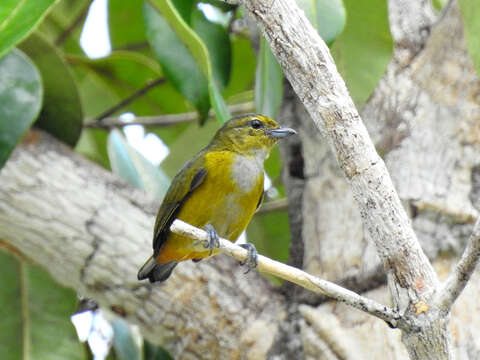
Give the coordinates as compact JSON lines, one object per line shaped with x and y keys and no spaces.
{"x":308,"y":65}
{"x":92,"y":232}
{"x":459,"y":277}
{"x":296,"y":276}
{"x":410,"y":23}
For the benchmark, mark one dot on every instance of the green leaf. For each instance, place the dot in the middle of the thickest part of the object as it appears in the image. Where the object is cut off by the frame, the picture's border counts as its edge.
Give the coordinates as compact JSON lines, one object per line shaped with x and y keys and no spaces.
{"x":133,"y":167}
{"x":242,"y":76}
{"x":93,"y":145}
{"x":217,"y":41}
{"x":121,"y":12}
{"x":327,"y":16}
{"x":96,"y":93}
{"x":154,"y":352}
{"x":123,"y":343}
{"x":20,"y":99}
{"x":364,"y":48}
{"x":219,"y":105}
{"x":119,"y":75}
{"x":18,"y":19}
{"x":61,"y":114}
{"x":184,"y":9}
{"x":168,"y":134}
{"x":268,"y":82}
{"x":188,"y":143}
{"x":177,"y":61}
{"x":184,"y":57}
{"x":35,"y":314}
{"x":439,"y":4}
{"x":273,"y":165}
{"x":58,"y":24}
{"x":7,"y":8}
{"x":273,"y":168}
{"x":470,"y":10}
{"x":220,"y":4}
{"x":270,"y":233}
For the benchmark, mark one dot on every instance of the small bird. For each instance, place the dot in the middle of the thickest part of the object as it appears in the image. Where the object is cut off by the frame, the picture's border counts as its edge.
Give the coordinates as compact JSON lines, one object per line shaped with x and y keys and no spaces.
{"x":218,"y":190}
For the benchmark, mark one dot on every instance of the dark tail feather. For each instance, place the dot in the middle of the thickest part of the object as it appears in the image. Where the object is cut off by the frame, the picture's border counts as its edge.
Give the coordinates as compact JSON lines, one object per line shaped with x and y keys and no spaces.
{"x":156,"y":272}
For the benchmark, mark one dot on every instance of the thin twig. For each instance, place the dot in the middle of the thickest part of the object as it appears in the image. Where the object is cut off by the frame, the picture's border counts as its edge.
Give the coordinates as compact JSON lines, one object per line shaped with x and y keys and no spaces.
{"x":135,"y":95}
{"x":274,"y":205}
{"x":76,"y":22}
{"x":133,"y":46}
{"x":294,"y":275}
{"x":459,"y":277}
{"x":159,"y":120}
{"x":164,"y":120}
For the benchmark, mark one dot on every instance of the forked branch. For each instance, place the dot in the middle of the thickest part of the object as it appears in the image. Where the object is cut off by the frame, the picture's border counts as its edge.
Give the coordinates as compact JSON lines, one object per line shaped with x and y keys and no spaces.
{"x":462,"y":272}
{"x":297,"y":276}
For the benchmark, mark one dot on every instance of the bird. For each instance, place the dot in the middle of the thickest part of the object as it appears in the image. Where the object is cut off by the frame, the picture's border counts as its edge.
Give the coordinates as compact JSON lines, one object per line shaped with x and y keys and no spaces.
{"x":218,"y":190}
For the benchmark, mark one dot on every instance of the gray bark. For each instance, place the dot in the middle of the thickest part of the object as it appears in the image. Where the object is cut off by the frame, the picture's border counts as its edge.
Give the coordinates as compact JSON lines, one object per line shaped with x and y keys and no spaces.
{"x":92,"y":232}
{"x":326,"y":207}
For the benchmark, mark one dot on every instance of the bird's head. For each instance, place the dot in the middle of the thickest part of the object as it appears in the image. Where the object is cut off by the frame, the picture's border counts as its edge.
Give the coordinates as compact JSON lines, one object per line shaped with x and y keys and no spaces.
{"x":250,"y":134}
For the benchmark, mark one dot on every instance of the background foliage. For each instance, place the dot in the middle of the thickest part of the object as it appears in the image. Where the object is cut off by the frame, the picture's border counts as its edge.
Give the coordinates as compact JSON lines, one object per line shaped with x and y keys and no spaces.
{"x":185,"y":57}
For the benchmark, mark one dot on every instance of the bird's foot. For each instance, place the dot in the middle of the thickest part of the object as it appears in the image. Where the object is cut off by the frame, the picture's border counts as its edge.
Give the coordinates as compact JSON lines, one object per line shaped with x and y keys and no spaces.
{"x":212,"y":242}
{"x":252,"y":257}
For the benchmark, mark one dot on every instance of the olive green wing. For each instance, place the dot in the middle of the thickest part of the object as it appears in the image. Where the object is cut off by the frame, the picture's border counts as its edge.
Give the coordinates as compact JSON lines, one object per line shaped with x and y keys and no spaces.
{"x":183,"y":184}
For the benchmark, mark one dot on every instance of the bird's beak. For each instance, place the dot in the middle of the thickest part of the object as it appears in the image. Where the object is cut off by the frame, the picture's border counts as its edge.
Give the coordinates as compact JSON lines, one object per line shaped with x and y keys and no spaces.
{"x":282,"y":132}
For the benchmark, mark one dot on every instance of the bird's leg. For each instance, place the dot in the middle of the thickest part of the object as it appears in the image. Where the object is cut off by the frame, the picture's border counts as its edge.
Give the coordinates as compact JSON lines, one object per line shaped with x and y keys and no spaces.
{"x":252,"y":256}
{"x":213,"y":241}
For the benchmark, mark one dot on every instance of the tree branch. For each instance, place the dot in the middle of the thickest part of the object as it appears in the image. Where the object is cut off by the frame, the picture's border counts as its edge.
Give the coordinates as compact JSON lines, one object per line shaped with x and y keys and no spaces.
{"x":63,"y":211}
{"x":459,"y":277}
{"x":308,"y":65}
{"x":410,"y":23}
{"x":133,"y":46}
{"x":92,"y":231}
{"x":273,"y":205}
{"x":135,"y":95}
{"x":76,"y":22}
{"x":165,"y":120}
{"x":294,"y":275}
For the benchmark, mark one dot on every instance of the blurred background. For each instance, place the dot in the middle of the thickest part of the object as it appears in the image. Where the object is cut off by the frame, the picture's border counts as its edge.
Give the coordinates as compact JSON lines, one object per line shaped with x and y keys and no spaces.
{"x":138,"y":87}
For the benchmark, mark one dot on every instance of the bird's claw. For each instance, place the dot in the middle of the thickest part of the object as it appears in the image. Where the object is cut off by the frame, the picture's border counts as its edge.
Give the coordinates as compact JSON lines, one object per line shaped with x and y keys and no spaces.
{"x":252,"y":257}
{"x":213,"y":241}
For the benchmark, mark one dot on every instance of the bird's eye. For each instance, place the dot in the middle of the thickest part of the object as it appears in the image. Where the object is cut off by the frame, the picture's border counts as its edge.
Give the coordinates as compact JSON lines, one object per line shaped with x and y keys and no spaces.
{"x":256,"y":124}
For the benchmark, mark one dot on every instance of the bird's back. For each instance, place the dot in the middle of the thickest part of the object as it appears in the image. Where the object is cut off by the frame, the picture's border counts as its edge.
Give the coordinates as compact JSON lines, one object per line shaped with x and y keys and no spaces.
{"x":220,"y":187}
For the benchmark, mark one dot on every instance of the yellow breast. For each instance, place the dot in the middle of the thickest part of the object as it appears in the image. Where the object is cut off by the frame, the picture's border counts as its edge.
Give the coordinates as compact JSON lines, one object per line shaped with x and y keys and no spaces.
{"x":226,"y":199}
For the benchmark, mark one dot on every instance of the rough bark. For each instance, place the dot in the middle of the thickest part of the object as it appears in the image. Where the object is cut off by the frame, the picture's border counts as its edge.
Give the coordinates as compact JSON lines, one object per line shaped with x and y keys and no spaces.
{"x":331,"y":331}
{"x":393,"y":114}
{"x":92,"y":231}
{"x":411,"y":34}
{"x":306,"y":62}
{"x":309,"y":67}
{"x":316,"y":185}
{"x":430,"y":109}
